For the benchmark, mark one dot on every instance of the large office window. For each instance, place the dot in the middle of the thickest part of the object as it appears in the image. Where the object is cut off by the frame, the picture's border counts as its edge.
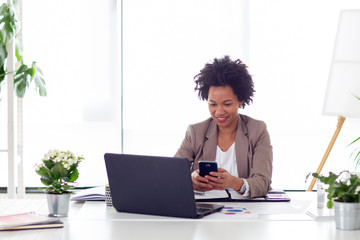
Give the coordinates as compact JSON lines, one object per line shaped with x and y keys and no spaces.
{"x":287,"y":46}
{"x":75,"y":43}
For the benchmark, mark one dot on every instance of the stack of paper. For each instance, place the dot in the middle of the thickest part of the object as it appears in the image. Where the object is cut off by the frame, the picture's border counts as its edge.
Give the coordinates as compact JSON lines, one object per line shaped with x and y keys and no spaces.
{"x":90,"y":194}
{"x":29,"y":220}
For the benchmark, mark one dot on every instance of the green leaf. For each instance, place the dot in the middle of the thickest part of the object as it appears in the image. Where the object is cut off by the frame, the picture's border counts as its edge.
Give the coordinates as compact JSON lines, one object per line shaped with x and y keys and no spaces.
{"x":330,"y":204}
{"x":66,"y":179}
{"x":3,"y":54}
{"x":47,"y":180}
{"x":57,"y":185}
{"x":354,"y":141}
{"x":8,"y":23}
{"x":21,"y":69}
{"x":356,"y":96}
{"x":49,"y":164}
{"x":19,"y":50}
{"x":39,"y":80}
{"x":74,"y":175}
{"x":73,"y":167}
{"x":66,"y":187}
{"x":21,"y":82}
{"x":43,"y":171}
{"x":2,"y":74}
{"x":58,"y":171}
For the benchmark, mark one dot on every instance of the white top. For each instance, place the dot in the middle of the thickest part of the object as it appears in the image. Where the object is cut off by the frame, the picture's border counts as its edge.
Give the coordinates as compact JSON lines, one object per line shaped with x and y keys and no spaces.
{"x":227,"y":161}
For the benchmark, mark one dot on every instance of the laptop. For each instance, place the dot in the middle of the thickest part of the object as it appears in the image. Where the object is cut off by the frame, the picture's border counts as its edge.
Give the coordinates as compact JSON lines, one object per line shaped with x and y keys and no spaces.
{"x":154,"y":185}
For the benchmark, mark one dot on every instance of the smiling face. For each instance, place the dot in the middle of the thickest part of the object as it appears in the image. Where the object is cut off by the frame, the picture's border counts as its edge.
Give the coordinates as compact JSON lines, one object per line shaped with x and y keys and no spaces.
{"x":223,"y":106}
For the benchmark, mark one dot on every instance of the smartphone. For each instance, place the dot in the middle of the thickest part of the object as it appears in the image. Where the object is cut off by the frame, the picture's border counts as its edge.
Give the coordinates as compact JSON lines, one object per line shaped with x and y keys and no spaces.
{"x":206,"y":167}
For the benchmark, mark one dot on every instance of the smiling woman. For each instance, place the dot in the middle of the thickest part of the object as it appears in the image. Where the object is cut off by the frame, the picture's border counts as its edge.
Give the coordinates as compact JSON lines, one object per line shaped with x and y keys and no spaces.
{"x":239,"y":144}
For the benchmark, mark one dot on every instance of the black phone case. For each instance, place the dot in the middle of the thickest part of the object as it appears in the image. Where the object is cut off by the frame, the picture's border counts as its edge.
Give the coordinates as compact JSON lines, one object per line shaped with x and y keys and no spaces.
{"x":207,"y":167}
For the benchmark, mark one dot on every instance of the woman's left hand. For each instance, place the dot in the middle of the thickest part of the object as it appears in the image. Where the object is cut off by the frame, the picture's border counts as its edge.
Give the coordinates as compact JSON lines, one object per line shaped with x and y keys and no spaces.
{"x":222,"y":179}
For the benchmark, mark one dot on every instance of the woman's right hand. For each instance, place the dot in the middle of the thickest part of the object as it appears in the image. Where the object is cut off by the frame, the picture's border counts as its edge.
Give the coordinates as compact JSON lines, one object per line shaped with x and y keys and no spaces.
{"x":200,"y":183}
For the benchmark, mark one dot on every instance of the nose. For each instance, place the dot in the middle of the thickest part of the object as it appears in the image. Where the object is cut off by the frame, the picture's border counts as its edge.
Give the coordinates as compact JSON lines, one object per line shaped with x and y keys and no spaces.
{"x":219,"y":110}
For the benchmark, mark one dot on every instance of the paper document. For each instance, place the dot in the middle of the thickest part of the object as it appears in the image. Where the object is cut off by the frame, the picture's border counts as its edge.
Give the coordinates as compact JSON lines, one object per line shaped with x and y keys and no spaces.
{"x":214,"y":194}
{"x":90,"y":194}
{"x":230,"y":195}
{"x":233,"y":211}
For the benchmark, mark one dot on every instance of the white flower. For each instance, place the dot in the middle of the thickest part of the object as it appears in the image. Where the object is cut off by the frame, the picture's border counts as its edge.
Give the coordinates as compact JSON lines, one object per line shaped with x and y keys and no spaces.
{"x":52,"y":153}
{"x":38,"y":166}
{"x":66,"y":158}
{"x":66,"y":166}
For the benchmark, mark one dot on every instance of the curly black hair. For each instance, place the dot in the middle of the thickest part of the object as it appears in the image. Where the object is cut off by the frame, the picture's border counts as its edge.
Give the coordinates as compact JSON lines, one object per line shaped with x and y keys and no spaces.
{"x":225,"y":72}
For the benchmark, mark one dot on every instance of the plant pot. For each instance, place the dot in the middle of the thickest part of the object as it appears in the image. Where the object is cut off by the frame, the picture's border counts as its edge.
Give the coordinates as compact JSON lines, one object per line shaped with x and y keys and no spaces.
{"x":58,"y":204}
{"x":347,"y":215}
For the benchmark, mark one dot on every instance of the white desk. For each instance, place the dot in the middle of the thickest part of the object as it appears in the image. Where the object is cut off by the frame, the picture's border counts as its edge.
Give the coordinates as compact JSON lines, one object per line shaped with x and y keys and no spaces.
{"x":93,"y":220}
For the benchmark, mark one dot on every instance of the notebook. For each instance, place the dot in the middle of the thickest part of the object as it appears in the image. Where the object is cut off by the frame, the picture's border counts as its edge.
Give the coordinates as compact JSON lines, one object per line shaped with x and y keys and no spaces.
{"x":154,"y":185}
{"x":230,"y":195}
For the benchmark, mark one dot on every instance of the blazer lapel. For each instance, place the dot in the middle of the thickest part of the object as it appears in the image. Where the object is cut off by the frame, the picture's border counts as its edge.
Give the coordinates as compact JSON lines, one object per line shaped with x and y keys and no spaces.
{"x":242,"y":148}
{"x":210,"y":142}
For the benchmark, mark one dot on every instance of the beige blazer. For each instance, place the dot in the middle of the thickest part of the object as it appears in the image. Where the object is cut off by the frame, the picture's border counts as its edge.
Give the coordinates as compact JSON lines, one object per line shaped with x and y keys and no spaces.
{"x":252,"y":148}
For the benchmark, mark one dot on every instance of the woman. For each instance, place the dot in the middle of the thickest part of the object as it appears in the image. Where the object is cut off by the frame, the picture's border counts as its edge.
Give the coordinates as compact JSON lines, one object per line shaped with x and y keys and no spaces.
{"x":239,"y":144}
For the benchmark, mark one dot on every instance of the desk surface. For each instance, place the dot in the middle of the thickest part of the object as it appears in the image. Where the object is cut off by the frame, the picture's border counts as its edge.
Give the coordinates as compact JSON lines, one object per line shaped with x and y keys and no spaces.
{"x":93,"y":220}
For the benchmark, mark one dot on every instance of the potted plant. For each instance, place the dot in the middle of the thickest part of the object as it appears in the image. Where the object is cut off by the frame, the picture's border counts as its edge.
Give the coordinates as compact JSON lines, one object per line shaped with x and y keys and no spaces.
{"x":344,"y":197}
{"x":24,"y":75}
{"x":58,"y":171}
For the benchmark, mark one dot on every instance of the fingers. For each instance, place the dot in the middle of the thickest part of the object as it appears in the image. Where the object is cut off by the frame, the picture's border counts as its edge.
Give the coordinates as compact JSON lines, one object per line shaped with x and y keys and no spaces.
{"x":200,"y":183}
{"x":219,"y":180}
{"x":222,"y":170}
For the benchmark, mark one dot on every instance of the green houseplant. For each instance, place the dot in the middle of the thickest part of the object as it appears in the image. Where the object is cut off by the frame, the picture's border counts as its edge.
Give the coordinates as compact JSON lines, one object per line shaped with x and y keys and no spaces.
{"x":344,"y":196}
{"x":58,"y":171}
{"x":343,"y":190}
{"x":24,"y":75}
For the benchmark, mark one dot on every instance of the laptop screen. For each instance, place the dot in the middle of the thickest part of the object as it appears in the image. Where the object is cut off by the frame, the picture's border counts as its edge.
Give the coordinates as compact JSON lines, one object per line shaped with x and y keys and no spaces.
{"x":151,"y":185}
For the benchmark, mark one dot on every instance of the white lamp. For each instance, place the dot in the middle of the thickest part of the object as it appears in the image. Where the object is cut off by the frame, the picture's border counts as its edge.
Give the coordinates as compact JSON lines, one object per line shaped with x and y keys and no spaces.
{"x":344,"y":77}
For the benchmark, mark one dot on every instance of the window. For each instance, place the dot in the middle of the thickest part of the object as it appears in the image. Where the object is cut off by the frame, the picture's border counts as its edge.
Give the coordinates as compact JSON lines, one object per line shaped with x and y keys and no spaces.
{"x":76,"y":45}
